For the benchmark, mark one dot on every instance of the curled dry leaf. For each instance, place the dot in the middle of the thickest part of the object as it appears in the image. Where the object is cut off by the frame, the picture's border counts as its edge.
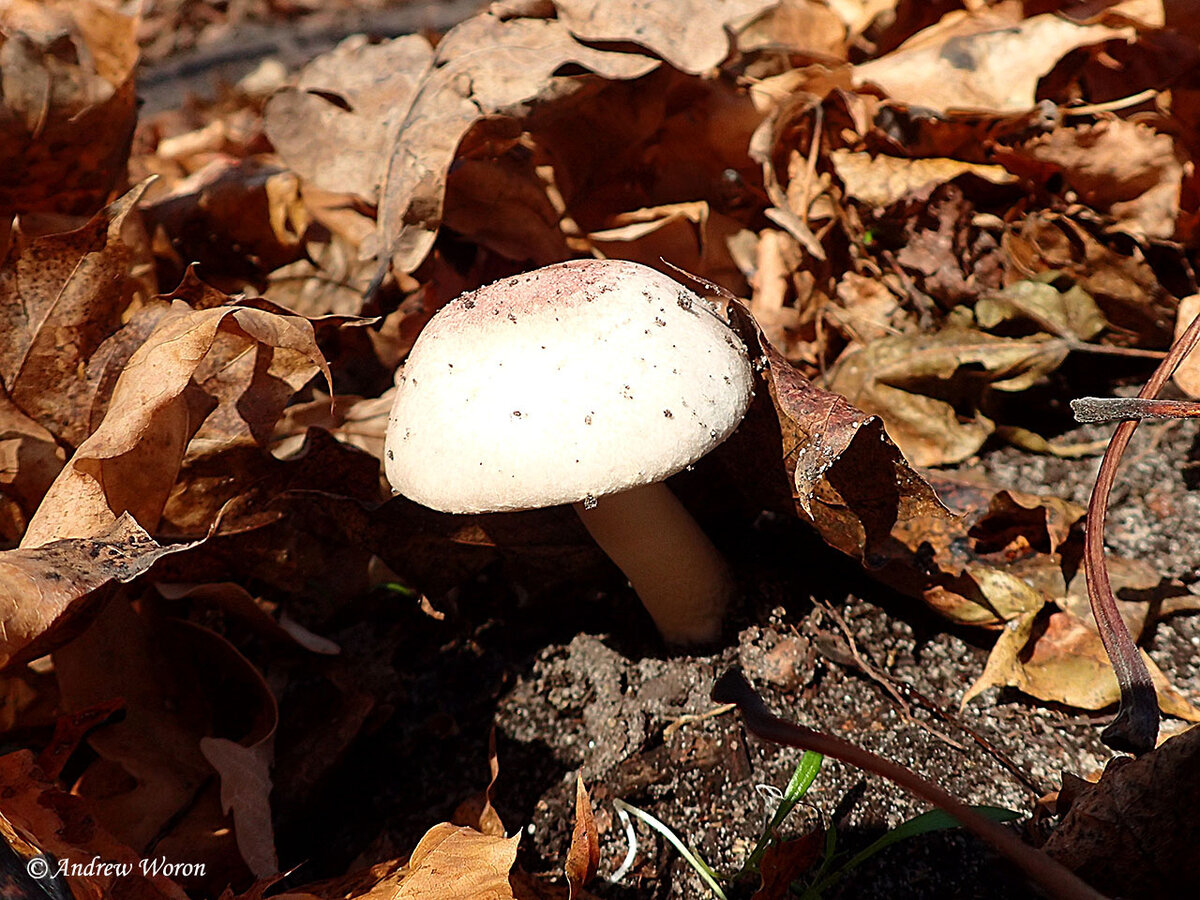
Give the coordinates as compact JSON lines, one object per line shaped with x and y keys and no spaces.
{"x":485,"y":66}
{"x":1071,"y":313}
{"x":130,"y":463}
{"x":452,"y":862}
{"x":1125,"y":169}
{"x":583,"y":856}
{"x":46,"y":590}
{"x":150,"y":783}
{"x":691,"y":35}
{"x":903,"y":377}
{"x":237,"y":218}
{"x":844,"y":474}
{"x":691,"y":235}
{"x":69,"y":105}
{"x":335,"y":127}
{"x":986,"y":59}
{"x":879,"y":181}
{"x":30,"y":460}
{"x":799,"y":26}
{"x":61,"y":295}
{"x":50,"y":820}
{"x":477,"y":811}
{"x":1133,"y":834}
{"x":1060,"y":659}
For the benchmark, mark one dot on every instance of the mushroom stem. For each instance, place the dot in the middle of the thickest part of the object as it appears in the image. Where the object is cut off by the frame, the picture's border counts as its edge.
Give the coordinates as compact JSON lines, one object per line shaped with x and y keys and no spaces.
{"x":681,"y":577}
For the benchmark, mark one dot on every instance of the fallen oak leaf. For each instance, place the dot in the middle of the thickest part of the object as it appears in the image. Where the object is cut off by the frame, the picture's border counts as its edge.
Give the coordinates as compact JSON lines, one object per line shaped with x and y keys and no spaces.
{"x":691,"y":36}
{"x":60,"y":825}
{"x":61,"y":295}
{"x":47,"y":591}
{"x":1051,"y":876}
{"x":485,"y":66}
{"x":846,"y":476}
{"x":334,"y":128}
{"x":1058,"y":658}
{"x":986,"y":59}
{"x":245,"y":791}
{"x":878,"y":181}
{"x":69,"y":105}
{"x":131,"y":461}
{"x":903,"y":377}
{"x":1134,"y":832}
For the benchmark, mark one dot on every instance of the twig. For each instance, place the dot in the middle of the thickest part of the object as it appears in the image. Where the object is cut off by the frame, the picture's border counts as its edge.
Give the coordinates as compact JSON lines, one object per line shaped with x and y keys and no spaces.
{"x":903,"y":692}
{"x":1057,"y":880}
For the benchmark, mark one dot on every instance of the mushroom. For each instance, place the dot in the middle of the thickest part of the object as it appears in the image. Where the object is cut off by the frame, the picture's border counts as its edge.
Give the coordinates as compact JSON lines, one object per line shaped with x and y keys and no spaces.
{"x":587,"y":382}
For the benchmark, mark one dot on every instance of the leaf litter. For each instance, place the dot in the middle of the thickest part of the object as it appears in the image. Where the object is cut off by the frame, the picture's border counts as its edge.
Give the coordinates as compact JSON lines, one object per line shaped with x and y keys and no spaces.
{"x":944,"y":224}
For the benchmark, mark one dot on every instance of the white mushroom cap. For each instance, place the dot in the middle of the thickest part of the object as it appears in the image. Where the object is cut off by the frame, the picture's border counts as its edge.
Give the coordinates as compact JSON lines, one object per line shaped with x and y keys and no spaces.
{"x":565,"y":384}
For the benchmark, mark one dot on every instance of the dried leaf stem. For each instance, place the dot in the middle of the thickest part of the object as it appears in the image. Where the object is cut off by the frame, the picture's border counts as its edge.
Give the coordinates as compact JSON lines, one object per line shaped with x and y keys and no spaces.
{"x":1135,"y":729}
{"x":1057,"y":880}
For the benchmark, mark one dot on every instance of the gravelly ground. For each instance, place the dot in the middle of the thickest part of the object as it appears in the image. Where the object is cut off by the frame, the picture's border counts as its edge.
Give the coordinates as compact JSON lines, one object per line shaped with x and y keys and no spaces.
{"x":610,"y":708}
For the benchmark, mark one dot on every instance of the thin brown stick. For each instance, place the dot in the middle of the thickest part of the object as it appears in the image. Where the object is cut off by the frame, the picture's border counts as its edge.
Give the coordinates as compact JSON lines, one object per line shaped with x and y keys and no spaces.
{"x":1054,"y":878}
{"x":1116,"y":409}
{"x":1135,"y":729}
{"x":901,"y":692}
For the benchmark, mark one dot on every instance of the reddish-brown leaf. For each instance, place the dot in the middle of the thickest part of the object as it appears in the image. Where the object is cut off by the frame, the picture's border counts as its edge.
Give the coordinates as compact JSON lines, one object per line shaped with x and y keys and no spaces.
{"x":583,"y":856}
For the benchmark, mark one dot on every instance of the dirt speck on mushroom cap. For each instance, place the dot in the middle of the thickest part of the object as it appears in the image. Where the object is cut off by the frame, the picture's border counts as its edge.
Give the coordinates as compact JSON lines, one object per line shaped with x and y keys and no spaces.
{"x":549,"y":387}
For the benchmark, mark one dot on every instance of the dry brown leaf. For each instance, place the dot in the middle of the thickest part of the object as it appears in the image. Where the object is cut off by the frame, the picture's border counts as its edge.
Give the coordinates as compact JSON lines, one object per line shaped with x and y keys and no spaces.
{"x":150,"y":783}
{"x":691,"y":235}
{"x":477,"y":812}
{"x":61,"y":295}
{"x":501,"y":204}
{"x":1060,"y":659}
{"x":236,"y":218}
{"x":986,"y":59}
{"x":1187,"y":375}
{"x":786,"y":861}
{"x":868,"y":310}
{"x":860,"y":14}
{"x":999,"y":558}
{"x":357,"y":421}
{"x":1133,"y":834}
{"x":1125,"y":169}
{"x":839,"y":468}
{"x":30,"y":460}
{"x":449,"y":863}
{"x":245,"y":774}
{"x":879,"y":181}
{"x":798,"y":26}
{"x":452,"y":862}
{"x":691,"y":36}
{"x":49,"y":820}
{"x":335,"y":128}
{"x":1069,"y":313}
{"x":131,"y":461}
{"x":45,"y":591}
{"x":69,"y":104}
{"x":583,"y":856}
{"x":903,"y":378}
{"x":485,"y":66}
